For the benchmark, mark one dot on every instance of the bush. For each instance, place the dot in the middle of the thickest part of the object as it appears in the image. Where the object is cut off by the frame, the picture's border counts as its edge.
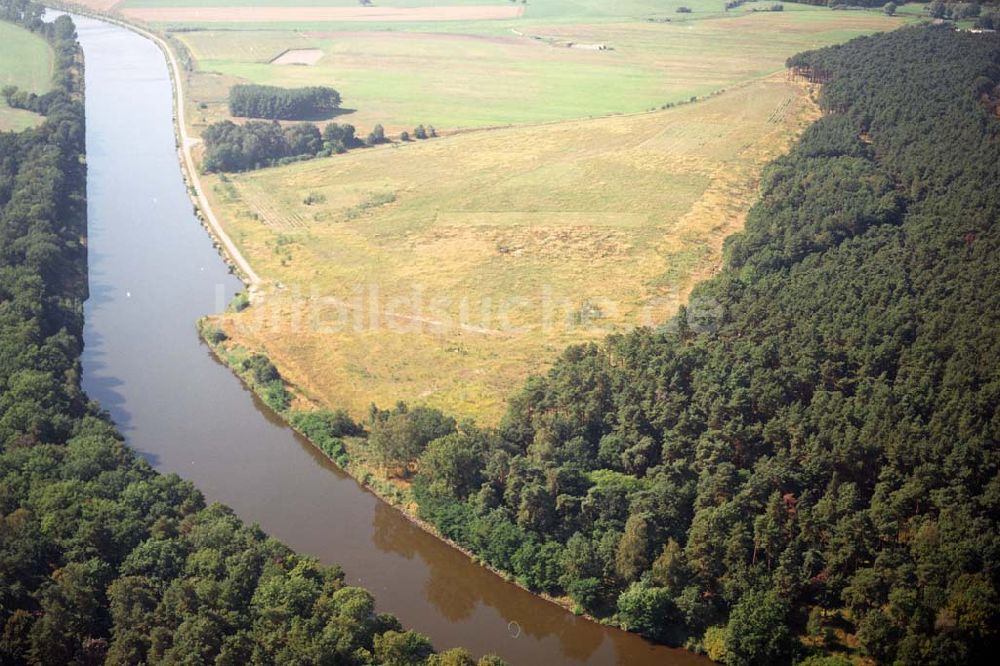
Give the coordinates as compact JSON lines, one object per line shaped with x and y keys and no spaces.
{"x":451,"y":518}
{"x":277,"y":396}
{"x":324,"y":429}
{"x":714,"y":643}
{"x":376,"y":136}
{"x":240,"y":302}
{"x":586,"y":592}
{"x":216,"y":335}
{"x":647,"y":610}
{"x":261,"y":369}
{"x":326,"y":423}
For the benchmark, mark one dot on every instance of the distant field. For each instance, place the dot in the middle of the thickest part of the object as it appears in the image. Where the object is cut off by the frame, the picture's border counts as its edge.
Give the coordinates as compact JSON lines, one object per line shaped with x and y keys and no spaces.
{"x":545,"y":9}
{"x":25,"y":62}
{"x":445,"y":271}
{"x":472,"y":75}
{"x":333,"y":14}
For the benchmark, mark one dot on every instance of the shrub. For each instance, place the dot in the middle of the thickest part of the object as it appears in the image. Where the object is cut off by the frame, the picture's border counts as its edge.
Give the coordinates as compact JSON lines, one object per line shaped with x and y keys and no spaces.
{"x":277,"y":397}
{"x":586,"y":592}
{"x":261,"y":369}
{"x":647,"y":610}
{"x":714,"y":643}
{"x":377,"y":135}
{"x":326,"y":423}
{"x":216,"y":335}
{"x":240,"y":302}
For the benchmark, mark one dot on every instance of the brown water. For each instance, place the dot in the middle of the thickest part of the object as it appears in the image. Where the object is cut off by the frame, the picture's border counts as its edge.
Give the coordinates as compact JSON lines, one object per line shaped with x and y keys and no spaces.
{"x":153,"y":272}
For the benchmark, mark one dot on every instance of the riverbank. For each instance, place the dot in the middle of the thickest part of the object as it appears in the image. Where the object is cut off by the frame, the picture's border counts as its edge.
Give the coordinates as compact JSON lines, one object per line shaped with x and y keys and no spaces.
{"x":397,"y":495}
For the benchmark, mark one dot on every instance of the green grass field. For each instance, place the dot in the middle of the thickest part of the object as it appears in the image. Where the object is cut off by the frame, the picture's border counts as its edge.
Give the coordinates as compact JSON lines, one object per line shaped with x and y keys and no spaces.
{"x":25,"y":62}
{"x":464,"y":75}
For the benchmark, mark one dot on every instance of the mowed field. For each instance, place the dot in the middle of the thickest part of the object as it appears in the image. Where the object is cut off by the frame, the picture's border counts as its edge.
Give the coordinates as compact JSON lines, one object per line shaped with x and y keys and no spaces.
{"x":446,"y":271}
{"x":491,"y":73}
{"x":25,"y":62}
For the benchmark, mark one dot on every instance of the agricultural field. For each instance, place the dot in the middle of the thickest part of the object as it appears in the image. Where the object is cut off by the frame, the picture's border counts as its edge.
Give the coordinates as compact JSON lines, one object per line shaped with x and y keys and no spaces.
{"x":545,"y":66}
{"x":564,"y":200}
{"x":447,"y":270}
{"x":25,"y":62}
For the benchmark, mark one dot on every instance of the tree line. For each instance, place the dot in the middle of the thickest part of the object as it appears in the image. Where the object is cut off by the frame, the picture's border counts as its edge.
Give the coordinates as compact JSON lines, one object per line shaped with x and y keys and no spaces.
{"x":956,"y":10}
{"x":274,"y":103}
{"x":812,"y":462}
{"x":102,"y":560}
{"x":840,"y":4}
{"x":257,"y":144}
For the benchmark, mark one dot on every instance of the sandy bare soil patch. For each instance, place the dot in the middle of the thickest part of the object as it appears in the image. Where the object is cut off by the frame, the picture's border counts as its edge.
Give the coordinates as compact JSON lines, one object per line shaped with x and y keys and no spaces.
{"x":299,"y":57}
{"x":306,"y":14}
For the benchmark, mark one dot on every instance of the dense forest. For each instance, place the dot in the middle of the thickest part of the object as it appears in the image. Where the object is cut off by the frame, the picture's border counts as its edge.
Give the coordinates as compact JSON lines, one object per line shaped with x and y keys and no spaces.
{"x":102,"y":560}
{"x":274,"y":103}
{"x":810,"y":465}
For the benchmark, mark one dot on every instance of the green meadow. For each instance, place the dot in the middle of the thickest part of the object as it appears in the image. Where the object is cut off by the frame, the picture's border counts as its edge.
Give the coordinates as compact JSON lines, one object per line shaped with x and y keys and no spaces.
{"x":468,"y":74}
{"x":25,"y":62}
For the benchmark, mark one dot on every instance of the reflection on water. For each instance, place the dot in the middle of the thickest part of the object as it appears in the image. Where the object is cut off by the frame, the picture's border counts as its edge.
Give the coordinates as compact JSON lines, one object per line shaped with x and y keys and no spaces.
{"x":153,"y":272}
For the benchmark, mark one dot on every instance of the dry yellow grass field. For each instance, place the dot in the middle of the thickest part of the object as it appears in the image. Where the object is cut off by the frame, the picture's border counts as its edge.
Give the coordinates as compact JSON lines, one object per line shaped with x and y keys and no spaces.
{"x":444,"y":272}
